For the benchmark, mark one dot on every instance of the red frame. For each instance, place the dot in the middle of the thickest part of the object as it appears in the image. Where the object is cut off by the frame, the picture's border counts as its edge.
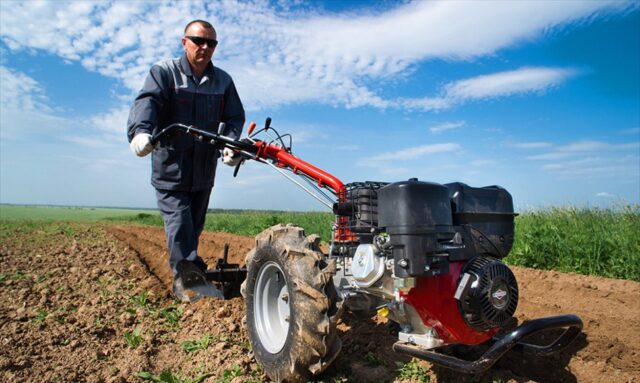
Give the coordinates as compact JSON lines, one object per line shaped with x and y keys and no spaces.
{"x":285,"y":159}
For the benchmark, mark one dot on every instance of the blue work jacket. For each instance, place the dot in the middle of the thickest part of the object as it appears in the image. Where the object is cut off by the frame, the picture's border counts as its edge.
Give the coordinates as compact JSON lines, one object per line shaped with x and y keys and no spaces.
{"x":172,"y":94}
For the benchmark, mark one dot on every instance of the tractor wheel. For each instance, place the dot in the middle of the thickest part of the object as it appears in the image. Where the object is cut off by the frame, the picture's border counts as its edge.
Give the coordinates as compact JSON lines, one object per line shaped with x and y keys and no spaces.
{"x":291,"y":305}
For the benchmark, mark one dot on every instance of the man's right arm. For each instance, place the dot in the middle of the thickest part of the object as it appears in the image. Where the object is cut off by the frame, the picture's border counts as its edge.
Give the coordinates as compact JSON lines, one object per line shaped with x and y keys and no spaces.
{"x":146,"y":109}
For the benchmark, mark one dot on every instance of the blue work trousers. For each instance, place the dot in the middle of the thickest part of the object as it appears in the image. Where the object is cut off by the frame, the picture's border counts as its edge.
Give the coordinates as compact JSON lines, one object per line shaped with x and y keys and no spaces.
{"x":183,"y":214}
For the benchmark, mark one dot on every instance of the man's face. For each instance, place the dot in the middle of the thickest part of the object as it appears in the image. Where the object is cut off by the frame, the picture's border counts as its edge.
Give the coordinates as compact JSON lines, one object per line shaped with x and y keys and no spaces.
{"x":198,"y":55}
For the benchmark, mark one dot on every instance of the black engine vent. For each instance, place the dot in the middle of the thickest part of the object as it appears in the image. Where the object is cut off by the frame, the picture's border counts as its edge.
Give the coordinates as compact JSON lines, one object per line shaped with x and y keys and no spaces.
{"x":487,"y":293}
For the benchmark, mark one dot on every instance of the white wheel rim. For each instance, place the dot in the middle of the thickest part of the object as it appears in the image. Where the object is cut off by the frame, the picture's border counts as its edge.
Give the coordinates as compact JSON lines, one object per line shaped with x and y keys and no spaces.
{"x":271,"y":307}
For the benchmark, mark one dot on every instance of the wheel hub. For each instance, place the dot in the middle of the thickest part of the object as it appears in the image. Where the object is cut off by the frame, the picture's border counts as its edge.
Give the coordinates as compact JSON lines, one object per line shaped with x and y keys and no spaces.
{"x":271,"y":303}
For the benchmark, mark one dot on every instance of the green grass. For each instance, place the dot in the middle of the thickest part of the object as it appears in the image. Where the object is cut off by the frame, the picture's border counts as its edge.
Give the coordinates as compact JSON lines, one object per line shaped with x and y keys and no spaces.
{"x":41,"y":315}
{"x":141,"y":300}
{"x":55,"y":213}
{"x":229,"y":373}
{"x":196,"y":345}
{"x":413,"y":371}
{"x":590,"y":241}
{"x":247,"y":222}
{"x":133,"y":338}
{"x":587,"y":241}
{"x":168,"y":377}
{"x":171,"y":315}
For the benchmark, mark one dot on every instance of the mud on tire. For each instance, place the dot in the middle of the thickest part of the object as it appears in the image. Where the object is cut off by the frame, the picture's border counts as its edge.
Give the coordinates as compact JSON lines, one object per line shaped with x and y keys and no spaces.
{"x":291,"y":304}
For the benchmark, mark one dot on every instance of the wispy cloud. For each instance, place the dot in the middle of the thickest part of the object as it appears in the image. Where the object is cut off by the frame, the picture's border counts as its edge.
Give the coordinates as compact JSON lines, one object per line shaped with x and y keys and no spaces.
{"x":520,"y":81}
{"x":485,"y":162}
{"x":631,"y":131}
{"x":502,"y":84}
{"x":531,"y":145}
{"x":317,"y":57}
{"x":605,"y":195}
{"x":21,"y":92}
{"x":597,"y":167}
{"x":27,"y":112}
{"x":583,"y":147}
{"x":410,"y":153}
{"x":593,"y":159}
{"x":439,"y":128}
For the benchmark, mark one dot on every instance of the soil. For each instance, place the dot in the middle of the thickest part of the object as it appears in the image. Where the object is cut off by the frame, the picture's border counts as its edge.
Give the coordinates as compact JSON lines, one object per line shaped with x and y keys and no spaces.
{"x":73,"y":294}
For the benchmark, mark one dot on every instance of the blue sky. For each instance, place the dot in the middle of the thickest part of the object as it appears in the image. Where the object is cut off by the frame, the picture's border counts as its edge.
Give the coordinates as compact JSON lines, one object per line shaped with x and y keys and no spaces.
{"x":540,"y":97}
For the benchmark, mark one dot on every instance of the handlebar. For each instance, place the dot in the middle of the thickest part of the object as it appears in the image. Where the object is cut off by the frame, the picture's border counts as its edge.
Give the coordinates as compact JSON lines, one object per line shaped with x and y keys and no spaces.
{"x":203,"y":135}
{"x":277,"y":156}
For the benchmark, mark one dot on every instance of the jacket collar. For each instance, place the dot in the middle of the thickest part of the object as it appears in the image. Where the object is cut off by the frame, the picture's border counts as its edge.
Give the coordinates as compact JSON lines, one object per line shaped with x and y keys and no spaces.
{"x":186,"y":68}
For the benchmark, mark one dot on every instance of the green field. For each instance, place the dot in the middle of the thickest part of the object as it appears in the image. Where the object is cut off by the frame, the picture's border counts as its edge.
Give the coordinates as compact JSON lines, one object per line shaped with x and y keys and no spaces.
{"x":60,"y":213}
{"x":603,"y":242}
{"x":587,"y":241}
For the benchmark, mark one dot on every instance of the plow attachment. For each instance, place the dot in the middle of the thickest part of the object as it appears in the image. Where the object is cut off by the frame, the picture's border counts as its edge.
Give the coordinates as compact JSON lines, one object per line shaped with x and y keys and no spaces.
{"x":222,"y":282}
{"x":504,"y":343}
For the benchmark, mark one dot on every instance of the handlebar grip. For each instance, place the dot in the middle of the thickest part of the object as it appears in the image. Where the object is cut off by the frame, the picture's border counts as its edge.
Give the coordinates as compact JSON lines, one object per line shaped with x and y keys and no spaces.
{"x":235,"y":171}
{"x":156,"y":137}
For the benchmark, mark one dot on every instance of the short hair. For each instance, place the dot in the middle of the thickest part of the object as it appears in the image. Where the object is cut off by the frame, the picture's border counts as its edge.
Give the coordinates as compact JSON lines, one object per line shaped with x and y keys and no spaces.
{"x":205,"y":24}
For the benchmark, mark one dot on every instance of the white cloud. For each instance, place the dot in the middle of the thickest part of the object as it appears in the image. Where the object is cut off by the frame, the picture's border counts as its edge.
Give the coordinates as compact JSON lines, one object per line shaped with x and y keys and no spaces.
{"x":580,"y":148}
{"x":523,"y":80}
{"x":92,"y":142}
{"x":408,"y":154}
{"x":483,"y":162}
{"x":438,"y":128}
{"x":597,"y":167}
{"x":279,"y":56}
{"x":26,"y":112}
{"x":587,"y":159}
{"x":531,"y":145}
{"x":502,"y":84}
{"x":605,"y":195}
{"x":21,"y":93}
{"x":631,"y":131}
{"x":112,"y":121}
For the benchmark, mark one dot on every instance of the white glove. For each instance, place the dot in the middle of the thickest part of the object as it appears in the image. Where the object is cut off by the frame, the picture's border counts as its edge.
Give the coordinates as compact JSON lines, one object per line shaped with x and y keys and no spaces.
{"x":230,"y":158}
{"x":141,"y":144}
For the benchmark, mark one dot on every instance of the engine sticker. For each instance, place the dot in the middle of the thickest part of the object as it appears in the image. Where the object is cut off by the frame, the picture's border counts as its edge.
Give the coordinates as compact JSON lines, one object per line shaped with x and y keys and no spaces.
{"x":463,"y":284}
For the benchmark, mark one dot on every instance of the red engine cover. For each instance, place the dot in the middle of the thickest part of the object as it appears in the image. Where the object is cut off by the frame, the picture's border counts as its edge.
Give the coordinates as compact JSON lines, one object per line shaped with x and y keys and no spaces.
{"x":433,"y":300}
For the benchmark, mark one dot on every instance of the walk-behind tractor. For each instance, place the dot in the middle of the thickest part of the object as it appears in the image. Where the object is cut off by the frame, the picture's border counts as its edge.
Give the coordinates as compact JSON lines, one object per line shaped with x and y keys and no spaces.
{"x":427,"y":256}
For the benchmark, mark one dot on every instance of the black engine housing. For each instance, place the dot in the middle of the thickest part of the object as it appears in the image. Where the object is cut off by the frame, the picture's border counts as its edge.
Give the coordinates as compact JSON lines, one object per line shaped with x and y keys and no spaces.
{"x":487,"y":293}
{"x":417,"y":216}
{"x":430,"y":224}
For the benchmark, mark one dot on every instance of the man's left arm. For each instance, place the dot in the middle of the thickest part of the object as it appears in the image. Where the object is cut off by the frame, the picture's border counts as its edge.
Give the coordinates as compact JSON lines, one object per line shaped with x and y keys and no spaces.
{"x":233,"y":113}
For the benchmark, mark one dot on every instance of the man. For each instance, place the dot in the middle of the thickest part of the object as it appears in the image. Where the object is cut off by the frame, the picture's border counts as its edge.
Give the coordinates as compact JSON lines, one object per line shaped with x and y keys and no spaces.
{"x":191,"y":91}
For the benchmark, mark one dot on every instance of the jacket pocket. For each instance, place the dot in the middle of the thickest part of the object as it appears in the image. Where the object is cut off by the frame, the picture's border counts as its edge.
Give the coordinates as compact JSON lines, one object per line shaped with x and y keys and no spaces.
{"x":183,"y":106}
{"x":172,"y":166}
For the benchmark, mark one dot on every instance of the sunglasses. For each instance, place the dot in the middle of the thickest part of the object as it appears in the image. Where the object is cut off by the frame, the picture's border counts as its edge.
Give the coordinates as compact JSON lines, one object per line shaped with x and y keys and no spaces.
{"x":199,"y":41}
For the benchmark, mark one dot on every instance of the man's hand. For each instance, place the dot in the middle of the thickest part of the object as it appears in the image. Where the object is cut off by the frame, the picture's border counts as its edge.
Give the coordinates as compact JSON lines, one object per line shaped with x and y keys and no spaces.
{"x":230,"y":157}
{"x":141,"y":144}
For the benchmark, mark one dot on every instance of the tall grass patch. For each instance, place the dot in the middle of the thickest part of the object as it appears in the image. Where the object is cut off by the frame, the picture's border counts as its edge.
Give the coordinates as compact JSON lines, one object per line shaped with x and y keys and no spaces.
{"x":254,"y":222}
{"x":248,"y":222}
{"x":590,"y":241}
